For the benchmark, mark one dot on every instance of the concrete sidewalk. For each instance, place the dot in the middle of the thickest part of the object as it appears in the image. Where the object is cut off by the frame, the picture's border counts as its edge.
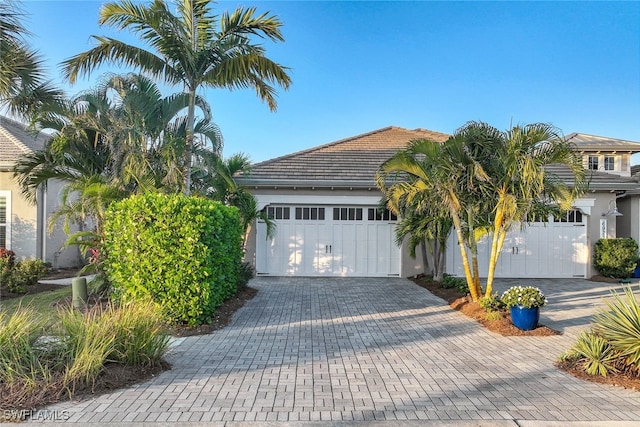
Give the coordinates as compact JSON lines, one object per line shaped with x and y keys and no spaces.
{"x":364,"y":351}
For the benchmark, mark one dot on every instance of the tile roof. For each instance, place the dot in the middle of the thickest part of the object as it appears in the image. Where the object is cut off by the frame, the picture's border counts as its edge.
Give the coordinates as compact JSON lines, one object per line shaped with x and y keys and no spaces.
{"x":585,"y":142}
{"x":16,"y":140}
{"x":352,"y":159}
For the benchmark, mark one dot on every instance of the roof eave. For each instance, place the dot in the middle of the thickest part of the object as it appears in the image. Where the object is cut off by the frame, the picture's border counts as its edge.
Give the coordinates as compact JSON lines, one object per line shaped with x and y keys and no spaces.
{"x":303,"y":183}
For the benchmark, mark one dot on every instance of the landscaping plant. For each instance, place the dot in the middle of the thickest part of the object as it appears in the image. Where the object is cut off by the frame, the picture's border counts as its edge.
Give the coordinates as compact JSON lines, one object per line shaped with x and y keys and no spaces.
{"x":181,"y":252}
{"x":615,"y":257}
{"x":613,"y":343}
{"x":525,"y":296}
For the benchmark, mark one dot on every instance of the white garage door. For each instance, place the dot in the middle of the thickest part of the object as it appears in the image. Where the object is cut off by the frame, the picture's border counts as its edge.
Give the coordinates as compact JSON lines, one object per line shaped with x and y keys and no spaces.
{"x":328,"y":241}
{"x":553,"y":249}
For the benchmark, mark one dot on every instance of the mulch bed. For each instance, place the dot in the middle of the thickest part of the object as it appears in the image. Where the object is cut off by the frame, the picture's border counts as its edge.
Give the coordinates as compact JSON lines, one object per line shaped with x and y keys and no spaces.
{"x":471,"y":309}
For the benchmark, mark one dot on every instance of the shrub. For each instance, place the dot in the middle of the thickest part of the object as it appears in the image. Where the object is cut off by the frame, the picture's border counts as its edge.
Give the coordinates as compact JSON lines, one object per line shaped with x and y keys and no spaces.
{"x":593,"y":353}
{"x":491,"y":303}
{"x":615,"y":257}
{"x":29,"y":271}
{"x":8,"y":255}
{"x":182,"y":252}
{"x":525,"y":296}
{"x":460,"y":284}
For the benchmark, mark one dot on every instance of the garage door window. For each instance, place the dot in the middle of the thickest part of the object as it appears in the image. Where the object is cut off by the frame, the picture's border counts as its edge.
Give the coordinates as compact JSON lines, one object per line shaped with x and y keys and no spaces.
{"x":381,"y":215}
{"x":571,"y":217}
{"x":310,"y":214}
{"x":347,"y":214}
{"x":278,"y":212}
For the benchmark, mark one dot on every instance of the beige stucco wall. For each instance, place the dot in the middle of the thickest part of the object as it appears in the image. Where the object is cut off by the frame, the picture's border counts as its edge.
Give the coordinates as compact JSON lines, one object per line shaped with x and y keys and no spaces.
{"x":24,"y":219}
{"x":29,"y":235}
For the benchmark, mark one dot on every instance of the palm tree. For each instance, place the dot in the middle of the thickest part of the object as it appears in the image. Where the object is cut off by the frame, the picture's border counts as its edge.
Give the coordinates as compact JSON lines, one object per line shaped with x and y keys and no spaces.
{"x":214,"y":178}
{"x":189,"y":48}
{"x":525,"y":185}
{"x":23,"y":86}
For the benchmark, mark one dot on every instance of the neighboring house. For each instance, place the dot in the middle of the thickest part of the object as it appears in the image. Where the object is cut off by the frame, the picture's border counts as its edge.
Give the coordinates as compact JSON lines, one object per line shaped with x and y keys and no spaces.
{"x":325,"y":204}
{"x":23,"y":225}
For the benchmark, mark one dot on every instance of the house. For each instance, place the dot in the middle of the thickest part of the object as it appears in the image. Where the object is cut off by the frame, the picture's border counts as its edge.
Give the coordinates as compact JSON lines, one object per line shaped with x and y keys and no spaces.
{"x":23,"y":225}
{"x":326,"y":207}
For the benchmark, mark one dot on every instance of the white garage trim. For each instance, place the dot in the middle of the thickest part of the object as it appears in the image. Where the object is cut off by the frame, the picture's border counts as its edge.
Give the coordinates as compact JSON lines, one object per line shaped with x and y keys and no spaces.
{"x":289,"y":199}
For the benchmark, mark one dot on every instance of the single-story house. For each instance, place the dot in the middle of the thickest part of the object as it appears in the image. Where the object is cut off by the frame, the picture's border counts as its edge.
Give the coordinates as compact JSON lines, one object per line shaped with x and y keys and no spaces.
{"x":23,"y":225}
{"x":326,"y":207}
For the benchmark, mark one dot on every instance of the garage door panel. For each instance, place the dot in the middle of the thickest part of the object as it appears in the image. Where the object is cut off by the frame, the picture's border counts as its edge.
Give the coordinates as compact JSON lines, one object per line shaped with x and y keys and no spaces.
{"x":341,"y":242}
{"x":557,"y":249}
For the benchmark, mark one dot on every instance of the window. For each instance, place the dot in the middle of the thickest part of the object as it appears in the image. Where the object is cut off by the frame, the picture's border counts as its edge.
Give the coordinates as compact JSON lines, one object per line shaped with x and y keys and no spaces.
{"x":310,"y":214}
{"x":347,"y":214}
{"x":593,"y":163}
{"x":5,"y":217}
{"x":381,"y":215}
{"x":574,"y":216}
{"x":277,"y":212}
{"x":609,"y":163}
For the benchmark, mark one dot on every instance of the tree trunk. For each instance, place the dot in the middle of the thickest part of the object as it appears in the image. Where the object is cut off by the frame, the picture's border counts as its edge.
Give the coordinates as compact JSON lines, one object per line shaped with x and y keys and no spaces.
{"x":493,"y":258}
{"x":463,"y":253}
{"x":425,"y":258}
{"x":188,"y":149}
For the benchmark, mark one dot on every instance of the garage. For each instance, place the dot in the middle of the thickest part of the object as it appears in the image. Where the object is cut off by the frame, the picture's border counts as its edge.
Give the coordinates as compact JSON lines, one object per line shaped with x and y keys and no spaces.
{"x":556,"y":248}
{"x":326,"y":240}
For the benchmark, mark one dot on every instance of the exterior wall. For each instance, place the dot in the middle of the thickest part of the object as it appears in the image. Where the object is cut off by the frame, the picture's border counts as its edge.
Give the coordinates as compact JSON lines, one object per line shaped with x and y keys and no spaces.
{"x":629,"y":224}
{"x":24,"y":219}
{"x":622,"y":162}
{"x":29,"y":235}
{"x":599,"y":203}
{"x":53,"y":249}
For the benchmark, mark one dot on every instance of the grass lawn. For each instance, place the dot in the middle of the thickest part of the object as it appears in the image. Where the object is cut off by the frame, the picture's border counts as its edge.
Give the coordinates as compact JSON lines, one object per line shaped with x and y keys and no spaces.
{"x":42,"y":302}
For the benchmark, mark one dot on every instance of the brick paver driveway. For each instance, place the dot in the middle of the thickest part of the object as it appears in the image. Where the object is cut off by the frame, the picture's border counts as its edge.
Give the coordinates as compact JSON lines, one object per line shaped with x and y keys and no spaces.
{"x":368,"y":349}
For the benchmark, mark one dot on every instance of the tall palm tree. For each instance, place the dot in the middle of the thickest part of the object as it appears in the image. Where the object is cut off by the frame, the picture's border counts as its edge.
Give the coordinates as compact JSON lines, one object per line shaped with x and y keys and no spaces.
{"x":524,"y":184}
{"x":191,"y":48}
{"x":23,"y":85}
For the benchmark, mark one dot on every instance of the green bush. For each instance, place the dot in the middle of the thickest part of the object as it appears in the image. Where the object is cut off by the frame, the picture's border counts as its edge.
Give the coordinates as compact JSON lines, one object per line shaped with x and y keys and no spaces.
{"x":615,"y":257}
{"x":593,"y":353}
{"x":459,"y":283}
{"x":491,"y":303}
{"x":17,"y":275}
{"x":182,"y":252}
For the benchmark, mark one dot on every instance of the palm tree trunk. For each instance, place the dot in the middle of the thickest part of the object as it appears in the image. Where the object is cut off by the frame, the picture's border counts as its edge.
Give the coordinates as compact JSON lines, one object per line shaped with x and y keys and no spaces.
{"x":463,"y":253}
{"x":425,"y":257}
{"x":493,"y":258}
{"x":473,"y":246}
{"x":188,"y":149}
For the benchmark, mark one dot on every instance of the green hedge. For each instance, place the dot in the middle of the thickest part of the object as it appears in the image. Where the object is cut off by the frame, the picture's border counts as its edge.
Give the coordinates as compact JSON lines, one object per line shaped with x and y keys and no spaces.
{"x":183,"y":252}
{"x":615,"y":257}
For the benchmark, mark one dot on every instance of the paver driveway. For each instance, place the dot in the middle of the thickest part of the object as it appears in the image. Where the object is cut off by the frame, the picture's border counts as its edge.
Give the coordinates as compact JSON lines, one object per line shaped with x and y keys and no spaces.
{"x":367,"y":349}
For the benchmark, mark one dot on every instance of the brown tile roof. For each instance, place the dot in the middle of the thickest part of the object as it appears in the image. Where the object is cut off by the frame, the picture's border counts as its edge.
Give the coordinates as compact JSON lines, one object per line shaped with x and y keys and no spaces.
{"x":585,"y":142}
{"x":16,"y":140}
{"x":352,"y":159}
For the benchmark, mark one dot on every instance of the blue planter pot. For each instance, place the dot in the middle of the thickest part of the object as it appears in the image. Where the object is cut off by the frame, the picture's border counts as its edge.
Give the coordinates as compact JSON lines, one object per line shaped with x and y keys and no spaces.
{"x":525,"y":318}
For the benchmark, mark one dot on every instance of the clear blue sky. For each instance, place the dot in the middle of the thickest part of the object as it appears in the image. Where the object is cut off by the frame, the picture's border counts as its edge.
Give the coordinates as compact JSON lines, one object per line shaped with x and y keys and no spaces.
{"x":361,"y":66}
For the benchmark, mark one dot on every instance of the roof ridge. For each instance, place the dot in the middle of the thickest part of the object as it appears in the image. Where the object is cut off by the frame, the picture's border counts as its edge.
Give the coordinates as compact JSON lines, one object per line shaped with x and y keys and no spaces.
{"x":343,"y":140}
{"x":328,"y":144}
{"x":10,"y":135}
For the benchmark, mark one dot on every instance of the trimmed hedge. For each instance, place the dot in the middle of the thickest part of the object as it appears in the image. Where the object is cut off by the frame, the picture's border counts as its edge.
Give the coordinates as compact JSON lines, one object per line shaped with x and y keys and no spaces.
{"x":615,"y":257}
{"x":183,"y":252}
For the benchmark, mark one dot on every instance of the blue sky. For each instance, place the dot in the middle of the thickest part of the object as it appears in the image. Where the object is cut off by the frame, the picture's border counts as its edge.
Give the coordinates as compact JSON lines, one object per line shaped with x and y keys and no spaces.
{"x":360,"y":66}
